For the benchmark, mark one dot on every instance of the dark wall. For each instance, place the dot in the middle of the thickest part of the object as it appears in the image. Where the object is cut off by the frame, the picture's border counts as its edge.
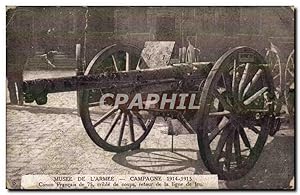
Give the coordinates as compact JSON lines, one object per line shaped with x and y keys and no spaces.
{"x":18,"y":36}
{"x":211,"y":29}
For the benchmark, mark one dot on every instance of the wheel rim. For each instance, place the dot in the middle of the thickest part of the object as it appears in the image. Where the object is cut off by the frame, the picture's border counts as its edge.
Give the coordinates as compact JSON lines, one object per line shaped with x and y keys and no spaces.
{"x":289,"y":84}
{"x":236,"y":110}
{"x":118,"y":129}
{"x":277,"y":71}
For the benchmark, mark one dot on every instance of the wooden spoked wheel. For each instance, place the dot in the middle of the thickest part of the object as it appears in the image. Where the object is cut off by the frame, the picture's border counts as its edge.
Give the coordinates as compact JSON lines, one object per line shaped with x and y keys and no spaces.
{"x":236,"y":113}
{"x":277,"y":71}
{"x":289,"y":92}
{"x":114,"y":128}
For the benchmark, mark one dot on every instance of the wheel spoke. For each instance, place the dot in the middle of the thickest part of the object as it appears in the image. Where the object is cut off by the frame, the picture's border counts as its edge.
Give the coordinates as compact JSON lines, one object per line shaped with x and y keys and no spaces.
{"x":221,"y":143}
{"x":122,"y":127}
{"x":243,"y":80}
{"x":105,"y":116}
{"x":113,"y":124}
{"x":115,"y":63}
{"x":221,"y":113}
{"x":222,"y":100}
{"x":185,"y":123}
{"x":244,"y":137}
{"x":253,"y":128}
{"x":223,"y":124}
{"x":228,"y":149}
{"x":253,"y":81}
{"x":227,"y":82}
{"x":250,"y":124}
{"x":234,"y":80}
{"x":131,"y":127}
{"x":140,"y":119}
{"x":255,"y":96}
{"x":237,"y":148}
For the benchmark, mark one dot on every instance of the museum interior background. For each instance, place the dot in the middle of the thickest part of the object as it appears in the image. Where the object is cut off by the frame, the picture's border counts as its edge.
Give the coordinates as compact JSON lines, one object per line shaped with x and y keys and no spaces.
{"x":211,"y":29}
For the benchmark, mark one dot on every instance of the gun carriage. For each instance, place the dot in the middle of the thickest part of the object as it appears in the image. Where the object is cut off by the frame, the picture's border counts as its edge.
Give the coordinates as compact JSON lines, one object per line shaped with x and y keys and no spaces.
{"x":235,"y":95}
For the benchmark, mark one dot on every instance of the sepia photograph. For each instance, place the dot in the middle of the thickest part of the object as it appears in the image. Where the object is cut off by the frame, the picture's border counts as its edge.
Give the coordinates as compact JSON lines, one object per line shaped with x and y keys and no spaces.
{"x":150,"y":98}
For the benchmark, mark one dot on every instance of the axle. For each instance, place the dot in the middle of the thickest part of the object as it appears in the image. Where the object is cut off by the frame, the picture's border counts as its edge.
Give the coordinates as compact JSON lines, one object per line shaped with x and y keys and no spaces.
{"x":168,"y":78}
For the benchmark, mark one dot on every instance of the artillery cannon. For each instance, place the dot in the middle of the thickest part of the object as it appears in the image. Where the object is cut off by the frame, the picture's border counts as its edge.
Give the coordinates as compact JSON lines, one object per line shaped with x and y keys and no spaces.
{"x":235,"y":98}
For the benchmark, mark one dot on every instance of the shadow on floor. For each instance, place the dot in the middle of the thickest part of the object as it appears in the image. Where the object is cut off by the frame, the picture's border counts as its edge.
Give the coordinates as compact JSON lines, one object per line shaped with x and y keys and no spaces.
{"x":160,"y":161}
{"x":273,"y":170}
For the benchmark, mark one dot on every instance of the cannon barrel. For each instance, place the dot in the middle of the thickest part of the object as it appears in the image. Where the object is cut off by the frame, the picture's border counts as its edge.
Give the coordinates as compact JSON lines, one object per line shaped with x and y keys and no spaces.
{"x":161,"y":79}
